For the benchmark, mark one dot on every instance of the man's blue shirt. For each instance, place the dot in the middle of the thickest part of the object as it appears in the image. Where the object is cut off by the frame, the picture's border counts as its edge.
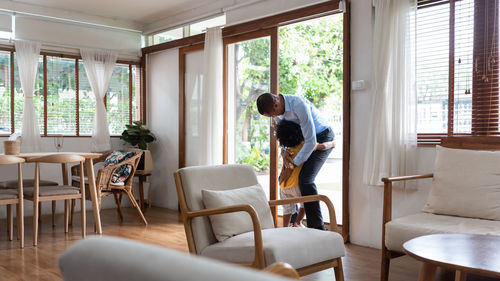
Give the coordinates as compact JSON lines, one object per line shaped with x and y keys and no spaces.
{"x":302,"y":112}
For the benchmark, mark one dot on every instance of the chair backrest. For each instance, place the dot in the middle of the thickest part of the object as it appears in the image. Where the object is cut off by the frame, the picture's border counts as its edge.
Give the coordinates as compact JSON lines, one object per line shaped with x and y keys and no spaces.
{"x":10,"y":159}
{"x":192,"y":180}
{"x":472,"y":142}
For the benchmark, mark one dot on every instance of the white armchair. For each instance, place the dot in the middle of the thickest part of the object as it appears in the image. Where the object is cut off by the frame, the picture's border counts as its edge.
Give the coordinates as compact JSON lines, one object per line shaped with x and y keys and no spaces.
{"x":306,"y":250}
{"x":109,"y":259}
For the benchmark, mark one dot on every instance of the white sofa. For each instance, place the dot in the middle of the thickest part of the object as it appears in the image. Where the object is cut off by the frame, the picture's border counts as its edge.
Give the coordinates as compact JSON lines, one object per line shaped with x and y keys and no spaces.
{"x":464,"y":198}
{"x":109,"y":259}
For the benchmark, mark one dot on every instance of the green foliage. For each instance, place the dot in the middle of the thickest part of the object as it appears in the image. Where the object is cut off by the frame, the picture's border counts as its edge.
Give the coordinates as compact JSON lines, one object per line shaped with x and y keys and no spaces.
{"x":138,"y":135}
{"x":256,"y":158}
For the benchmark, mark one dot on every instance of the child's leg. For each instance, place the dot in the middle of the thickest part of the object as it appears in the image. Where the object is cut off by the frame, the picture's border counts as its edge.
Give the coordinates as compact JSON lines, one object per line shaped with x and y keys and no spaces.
{"x":286,"y":220}
{"x":300,"y":216}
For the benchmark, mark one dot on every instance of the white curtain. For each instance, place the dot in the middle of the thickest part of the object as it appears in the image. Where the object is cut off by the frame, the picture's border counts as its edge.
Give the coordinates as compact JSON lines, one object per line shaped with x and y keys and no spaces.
{"x":211,"y":126}
{"x":392,"y":134}
{"x":99,"y":66}
{"x":27,"y":61}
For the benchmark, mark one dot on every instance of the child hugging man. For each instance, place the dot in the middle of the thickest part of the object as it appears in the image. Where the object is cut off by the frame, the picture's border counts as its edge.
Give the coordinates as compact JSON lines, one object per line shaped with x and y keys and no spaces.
{"x":290,"y":138}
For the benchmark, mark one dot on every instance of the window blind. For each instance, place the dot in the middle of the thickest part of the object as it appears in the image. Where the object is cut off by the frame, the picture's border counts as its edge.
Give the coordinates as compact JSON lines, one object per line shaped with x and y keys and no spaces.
{"x":61,"y":96}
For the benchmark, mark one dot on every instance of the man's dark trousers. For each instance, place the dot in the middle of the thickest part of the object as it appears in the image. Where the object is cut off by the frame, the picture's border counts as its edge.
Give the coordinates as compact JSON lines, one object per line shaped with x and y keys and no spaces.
{"x":308,"y":175}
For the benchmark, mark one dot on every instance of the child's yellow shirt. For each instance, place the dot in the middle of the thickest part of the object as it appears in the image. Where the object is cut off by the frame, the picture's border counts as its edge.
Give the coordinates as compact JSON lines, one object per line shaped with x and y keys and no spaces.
{"x":293,"y":180}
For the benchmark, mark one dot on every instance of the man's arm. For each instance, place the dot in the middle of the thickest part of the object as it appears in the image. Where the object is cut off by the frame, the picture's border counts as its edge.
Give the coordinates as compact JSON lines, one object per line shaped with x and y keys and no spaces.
{"x":308,"y":131}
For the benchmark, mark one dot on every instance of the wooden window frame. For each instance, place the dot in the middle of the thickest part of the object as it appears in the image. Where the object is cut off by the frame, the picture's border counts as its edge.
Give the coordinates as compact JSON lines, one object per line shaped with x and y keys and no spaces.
{"x":254,"y":29}
{"x":477,"y":123}
{"x":141,"y":112}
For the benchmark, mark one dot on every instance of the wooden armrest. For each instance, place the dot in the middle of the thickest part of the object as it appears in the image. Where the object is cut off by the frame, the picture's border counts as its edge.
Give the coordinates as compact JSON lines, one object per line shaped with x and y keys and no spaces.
{"x":311,"y":198}
{"x":283,"y":269}
{"x":404,"y":178}
{"x":259,"y":261}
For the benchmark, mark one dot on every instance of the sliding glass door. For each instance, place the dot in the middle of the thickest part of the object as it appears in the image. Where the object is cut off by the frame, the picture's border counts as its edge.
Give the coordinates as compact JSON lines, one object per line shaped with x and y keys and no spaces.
{"x":248,"y":76}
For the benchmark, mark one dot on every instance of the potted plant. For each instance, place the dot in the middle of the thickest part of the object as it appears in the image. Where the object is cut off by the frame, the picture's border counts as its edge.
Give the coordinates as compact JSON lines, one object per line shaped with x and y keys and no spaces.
{"x":139,"y":136}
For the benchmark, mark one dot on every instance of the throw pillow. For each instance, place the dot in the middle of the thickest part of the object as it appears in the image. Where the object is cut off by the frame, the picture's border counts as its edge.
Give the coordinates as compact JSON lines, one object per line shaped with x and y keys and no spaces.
{"x":228,"y":225}
{"x":122,"y":173}
{"x":466,"y":183}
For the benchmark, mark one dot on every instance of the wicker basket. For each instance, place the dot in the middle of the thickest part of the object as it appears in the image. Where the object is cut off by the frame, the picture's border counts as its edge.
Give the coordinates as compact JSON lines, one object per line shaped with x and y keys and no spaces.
{"x":11,"y":147}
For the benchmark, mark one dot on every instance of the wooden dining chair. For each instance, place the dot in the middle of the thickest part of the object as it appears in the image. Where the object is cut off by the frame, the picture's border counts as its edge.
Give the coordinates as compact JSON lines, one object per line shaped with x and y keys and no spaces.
{"x":12,"y":196}
{"x":59,"y":192}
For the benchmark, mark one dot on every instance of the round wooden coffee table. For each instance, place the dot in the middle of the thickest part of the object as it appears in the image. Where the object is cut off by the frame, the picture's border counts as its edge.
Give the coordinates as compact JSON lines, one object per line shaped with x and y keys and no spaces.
{"x":464,"y":253}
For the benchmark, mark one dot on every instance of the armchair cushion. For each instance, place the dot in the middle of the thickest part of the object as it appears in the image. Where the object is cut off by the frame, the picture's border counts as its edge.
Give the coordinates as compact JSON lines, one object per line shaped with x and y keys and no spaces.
{"x":299,"y":247}
{"x":466,"y":183}
{"x":122,"y":173}
{"x":400,"y":230}
{"x":228,"y":225}
{"x":8,"y":194}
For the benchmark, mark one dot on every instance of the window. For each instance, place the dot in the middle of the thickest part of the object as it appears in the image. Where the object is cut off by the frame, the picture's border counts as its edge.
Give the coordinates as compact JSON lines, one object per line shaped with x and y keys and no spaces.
{"x":457,"y":68}
{"x":186,"y":30}
{"x":65,"y":104}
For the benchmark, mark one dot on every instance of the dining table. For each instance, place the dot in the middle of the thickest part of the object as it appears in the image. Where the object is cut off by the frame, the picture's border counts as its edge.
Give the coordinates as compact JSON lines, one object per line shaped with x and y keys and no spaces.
{"x":89,"y":171}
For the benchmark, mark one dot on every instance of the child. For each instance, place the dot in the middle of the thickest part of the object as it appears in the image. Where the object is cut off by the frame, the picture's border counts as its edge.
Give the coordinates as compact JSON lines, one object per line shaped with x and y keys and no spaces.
{"x":290,"y":137}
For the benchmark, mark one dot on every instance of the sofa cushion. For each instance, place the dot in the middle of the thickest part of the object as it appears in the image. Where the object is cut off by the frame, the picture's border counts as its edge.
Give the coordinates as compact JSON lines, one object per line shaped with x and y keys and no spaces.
{"x":227,"y":225}
{"x":297,"y":246}
{"x":123,"y":172}
{"x":400,"y":230}
{"x":466,"y":183}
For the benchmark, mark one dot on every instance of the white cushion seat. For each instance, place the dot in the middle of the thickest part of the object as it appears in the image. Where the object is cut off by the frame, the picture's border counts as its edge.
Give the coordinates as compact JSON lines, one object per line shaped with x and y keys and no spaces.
{"x":8,"y":194}
{"x":400,"y":230}
{"x":299,"y":247}
{"x":52,"y":190}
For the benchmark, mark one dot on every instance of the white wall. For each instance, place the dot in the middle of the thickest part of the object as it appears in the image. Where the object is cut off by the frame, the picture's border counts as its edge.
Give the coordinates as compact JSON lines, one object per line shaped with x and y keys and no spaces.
{"x":53,"y":172}
{"x":365,"y":202}
{"x":163,"y":120}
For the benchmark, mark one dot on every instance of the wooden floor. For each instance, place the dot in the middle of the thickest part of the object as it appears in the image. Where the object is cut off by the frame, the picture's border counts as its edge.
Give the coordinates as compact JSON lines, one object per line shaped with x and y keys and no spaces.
{"x":165,"y":229}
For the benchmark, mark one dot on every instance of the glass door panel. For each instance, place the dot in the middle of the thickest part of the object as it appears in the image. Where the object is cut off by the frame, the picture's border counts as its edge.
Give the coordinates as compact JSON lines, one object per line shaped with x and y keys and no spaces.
{"x":310,"y":65}
{"x":248,"y":73}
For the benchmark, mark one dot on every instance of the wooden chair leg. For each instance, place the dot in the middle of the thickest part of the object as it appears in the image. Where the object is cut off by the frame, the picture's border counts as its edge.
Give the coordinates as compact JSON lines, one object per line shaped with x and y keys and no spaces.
{"x":10,"y":223}
{"x":141,"y":192}
{"x":35,"y":221}
{"x":118,"y":206}
{"x":384,"y":268}
{"x":132,"y":199}
{"x":54,"y":213}
{"x":73,"y":205}
{"x":20,"y":223}
{"x":66,"y":215}
{"x":40,"y":212}
{"x":339,"y":271}
{"x":427,"y":272}
{"x":84,"y":218}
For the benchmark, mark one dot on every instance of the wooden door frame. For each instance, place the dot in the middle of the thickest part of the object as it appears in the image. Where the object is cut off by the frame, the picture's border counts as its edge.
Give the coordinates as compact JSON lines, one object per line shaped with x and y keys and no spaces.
{"x":274,"y":87}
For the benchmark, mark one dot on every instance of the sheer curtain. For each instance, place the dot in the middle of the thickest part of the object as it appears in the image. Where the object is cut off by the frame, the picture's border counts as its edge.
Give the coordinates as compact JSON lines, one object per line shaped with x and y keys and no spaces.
{"x":392,"y":135}
{"x":27,"y":61}
{"x":99,"y":66}
{"x":211,"y":110}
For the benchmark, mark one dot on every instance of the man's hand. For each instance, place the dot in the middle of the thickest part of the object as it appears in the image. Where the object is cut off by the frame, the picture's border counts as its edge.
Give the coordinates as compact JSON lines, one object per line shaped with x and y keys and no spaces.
{"x":325,"y":145}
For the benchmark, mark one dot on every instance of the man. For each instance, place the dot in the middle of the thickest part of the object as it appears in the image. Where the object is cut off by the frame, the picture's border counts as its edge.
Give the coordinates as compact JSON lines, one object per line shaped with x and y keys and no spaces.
{"x":315,"y":130}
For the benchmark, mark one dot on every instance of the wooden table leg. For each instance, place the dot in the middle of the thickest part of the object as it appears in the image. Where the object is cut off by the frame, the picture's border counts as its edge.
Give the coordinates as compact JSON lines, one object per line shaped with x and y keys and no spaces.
{"x":427,"y":272}
{"x":89,"y":170}
{"x":141,"y":191}
{"x":460,"y":275}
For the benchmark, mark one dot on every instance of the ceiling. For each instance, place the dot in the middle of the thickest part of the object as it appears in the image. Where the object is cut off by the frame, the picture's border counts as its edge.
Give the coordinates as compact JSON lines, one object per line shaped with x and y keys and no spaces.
{"x":140,"y":13}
